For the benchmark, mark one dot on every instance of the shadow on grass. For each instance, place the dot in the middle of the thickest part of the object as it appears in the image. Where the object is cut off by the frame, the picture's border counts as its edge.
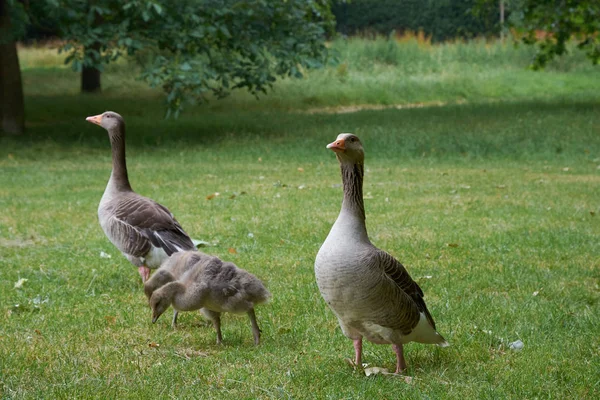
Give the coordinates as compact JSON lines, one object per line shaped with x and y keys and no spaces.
{"x":504,"y":129}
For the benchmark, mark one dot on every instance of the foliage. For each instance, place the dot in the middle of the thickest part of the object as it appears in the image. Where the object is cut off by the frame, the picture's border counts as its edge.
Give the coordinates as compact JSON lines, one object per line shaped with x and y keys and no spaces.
{"x":199,"y":46}
{"x":562,"y":20}
{"x":442,"y":20}
{"x":384,"y":72}
{"x":549,"y":25}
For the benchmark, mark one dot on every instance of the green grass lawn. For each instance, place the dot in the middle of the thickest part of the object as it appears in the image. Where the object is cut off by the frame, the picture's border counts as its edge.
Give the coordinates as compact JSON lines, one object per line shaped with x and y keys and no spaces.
{"x":493,"y":206}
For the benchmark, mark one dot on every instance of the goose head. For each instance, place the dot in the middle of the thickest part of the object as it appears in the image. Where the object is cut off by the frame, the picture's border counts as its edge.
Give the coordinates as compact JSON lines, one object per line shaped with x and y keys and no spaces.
{"x":159,"y":302}
{"x":109,"y":120}
{"x":348,"y":148}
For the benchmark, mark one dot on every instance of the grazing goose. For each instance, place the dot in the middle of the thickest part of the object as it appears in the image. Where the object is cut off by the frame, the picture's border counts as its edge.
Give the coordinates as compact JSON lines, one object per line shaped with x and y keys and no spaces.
{"x":369,"y":291}
{"x":214,"y":287}
{"x":145,"y":231}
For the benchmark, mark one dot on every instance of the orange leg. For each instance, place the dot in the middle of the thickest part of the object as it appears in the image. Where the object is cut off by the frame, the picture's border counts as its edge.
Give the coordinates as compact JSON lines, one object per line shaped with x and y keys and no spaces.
{"x":144,"y":273}
{"x":358,"y":352}
{"x":400,"y":361}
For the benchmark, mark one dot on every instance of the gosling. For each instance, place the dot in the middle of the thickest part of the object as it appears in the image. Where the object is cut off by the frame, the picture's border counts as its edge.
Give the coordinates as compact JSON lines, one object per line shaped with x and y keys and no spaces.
{"x":171,"y":270}
{"x":214,"y":287}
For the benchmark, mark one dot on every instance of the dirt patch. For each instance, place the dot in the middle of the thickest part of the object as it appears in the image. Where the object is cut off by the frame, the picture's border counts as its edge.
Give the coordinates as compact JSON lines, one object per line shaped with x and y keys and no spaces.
{"x":362,"y":107}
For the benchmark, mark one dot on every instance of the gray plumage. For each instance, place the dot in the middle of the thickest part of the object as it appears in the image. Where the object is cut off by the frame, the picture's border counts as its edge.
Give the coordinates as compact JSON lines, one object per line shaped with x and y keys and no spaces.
{"x":171,"y":270}
{"x":143,"y":230}
{"x":211,"y":285}
{"x":369,"y":291}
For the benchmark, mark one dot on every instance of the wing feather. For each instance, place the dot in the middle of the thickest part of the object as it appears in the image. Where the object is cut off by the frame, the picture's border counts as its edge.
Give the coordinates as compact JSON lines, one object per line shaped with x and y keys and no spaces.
{"x":146,"y":221}
{"x":397,"y":273}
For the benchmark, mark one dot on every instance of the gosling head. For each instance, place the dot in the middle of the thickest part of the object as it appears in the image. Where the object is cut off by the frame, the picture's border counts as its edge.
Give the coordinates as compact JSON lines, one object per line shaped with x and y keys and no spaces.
{"x":159,"y":302}
{"x":348,"y":148}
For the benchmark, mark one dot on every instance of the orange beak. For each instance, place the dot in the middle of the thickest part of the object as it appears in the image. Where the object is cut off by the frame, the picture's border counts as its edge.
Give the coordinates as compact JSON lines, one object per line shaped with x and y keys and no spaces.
{"x":96,"y":119}
{"x":337,"y":146}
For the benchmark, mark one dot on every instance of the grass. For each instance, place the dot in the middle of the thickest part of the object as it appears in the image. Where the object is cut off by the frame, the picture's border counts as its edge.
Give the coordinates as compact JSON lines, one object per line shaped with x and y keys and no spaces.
{"x":492,"y":205}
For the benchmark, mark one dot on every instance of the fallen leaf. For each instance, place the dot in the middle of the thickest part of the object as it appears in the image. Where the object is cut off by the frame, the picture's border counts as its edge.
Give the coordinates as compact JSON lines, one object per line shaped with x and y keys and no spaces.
{"x":376,"y":371}
{"x":592,"y":213}
{"x":110,"y":319}
{"x":566,"y":169}
{"x":200,"y":243}
{"x":20,"y":282}
{"x":535,"y":293}
{"x":300,"y":169}
{"x":259,"y":159}
{"x":37,"y":331}
{"x":212,"y":195}
{"x":301,"y":187}
{"x":251,"y":235}
{"x":153,"y":345}
{"x":516,"y":345}
{"x":195,"y":353}
{"x":452,"y":244}
{"x":232,"y":197}
{"x":231,"y":250}
{"x":500,"y":186}
{"x":104,"y":255}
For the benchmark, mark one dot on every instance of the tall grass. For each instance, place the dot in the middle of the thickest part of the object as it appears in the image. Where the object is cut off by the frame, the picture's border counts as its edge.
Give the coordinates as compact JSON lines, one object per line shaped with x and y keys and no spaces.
{"x":381,"y":71}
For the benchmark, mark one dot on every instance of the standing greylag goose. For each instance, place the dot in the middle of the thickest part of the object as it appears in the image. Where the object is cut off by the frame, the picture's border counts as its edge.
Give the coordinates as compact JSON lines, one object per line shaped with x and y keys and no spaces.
{"x":369,"y":291}
{"x":214,"y":287}
{"x":145,"y":231}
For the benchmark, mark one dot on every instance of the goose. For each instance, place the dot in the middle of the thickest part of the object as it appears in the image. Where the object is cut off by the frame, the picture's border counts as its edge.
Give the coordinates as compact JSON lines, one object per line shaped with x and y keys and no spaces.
{"x":143,"y":230}
{"x":214,"y":287}
{"x":369,"y":291}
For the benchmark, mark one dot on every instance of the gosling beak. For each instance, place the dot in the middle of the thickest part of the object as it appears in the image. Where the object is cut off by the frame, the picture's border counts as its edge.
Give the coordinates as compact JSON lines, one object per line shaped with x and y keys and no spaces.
{"x":338,"y":146}
{"x":96,"y":119}
{"x":154,"y":319}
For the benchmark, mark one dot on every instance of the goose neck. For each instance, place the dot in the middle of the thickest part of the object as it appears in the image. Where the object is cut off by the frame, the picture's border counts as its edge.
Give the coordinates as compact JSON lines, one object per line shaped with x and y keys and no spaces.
{"x":119,"y":178}
{"x":352,"y":180}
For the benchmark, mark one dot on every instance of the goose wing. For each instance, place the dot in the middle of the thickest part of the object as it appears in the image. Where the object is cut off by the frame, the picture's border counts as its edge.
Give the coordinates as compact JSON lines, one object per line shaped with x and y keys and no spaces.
{"x":143,"y":222}
{"x":395,"y":271}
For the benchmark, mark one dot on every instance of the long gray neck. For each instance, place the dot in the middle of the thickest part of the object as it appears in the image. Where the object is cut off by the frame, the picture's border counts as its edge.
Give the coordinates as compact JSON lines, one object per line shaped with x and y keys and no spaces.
{"x":118,"y":177}
{"x":352,"y":180}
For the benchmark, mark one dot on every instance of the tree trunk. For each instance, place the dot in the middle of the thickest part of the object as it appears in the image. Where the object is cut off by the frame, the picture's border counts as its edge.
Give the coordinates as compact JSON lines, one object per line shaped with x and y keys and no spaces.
{"x":90,"y":76}
{"x":12,"y":106}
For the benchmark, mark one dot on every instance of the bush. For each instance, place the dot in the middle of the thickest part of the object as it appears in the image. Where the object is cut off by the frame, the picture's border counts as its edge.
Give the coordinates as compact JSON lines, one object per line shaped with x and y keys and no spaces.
{"x":439,"y":19}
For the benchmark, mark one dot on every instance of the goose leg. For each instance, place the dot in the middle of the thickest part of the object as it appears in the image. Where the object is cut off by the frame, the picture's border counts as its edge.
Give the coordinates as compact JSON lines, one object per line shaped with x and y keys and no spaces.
{"x":144,"y":273}
{"x":400,"y":361}
{"x":255,"y":328}
{"x":215,"y":317}
{"x":358,"y":352}
{"x":174,"y":322}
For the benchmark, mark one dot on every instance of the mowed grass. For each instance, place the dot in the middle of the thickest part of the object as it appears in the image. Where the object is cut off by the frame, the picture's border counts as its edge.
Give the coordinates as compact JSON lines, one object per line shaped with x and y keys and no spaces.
{"x":493,"y":207}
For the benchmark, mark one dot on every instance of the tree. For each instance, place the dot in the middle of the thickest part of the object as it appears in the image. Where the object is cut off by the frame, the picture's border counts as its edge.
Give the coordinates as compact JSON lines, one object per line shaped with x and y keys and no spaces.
{"x":12,"y":108}
{"x":550,"y":24}
{"x":198,"y":47}
{"x":560,"y":20}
